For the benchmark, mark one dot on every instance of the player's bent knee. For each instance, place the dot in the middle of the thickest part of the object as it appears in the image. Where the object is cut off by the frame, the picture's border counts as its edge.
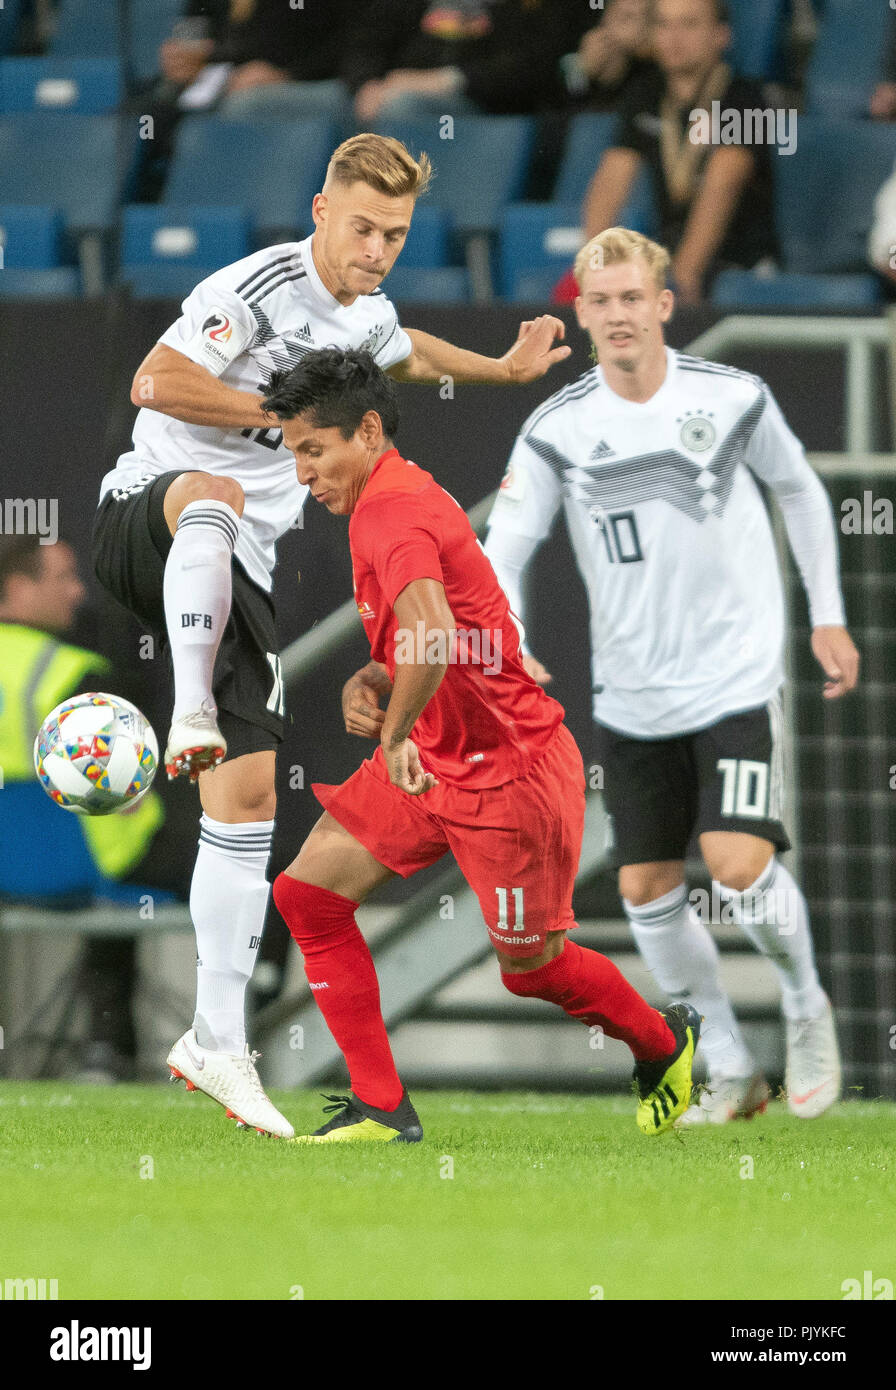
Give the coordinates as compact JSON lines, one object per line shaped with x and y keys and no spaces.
{"x":644,"y":883}
{"x":514,"y":969}
{"x":311,"y":912}
{"x":201,"y":487}
{"x":737,"y":873}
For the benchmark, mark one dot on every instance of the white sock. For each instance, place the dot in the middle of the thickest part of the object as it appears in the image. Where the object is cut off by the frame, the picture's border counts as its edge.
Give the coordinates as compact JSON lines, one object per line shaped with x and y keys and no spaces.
{"x":197,"y":591}
{"x":228,"y":902}
{"x":773,"y":913}
{"x":683,"y":959}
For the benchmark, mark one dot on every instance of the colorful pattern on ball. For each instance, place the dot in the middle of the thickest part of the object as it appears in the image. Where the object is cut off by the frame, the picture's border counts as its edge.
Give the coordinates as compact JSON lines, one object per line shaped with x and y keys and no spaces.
{"x":95,"y":754}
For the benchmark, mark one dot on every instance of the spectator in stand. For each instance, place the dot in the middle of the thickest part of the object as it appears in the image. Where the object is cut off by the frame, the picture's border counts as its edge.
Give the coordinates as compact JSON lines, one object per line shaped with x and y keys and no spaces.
{"x":714,"y":198}
{"x":882,"y":106}
{"x":415,"y":58}
{"x":51,"y":857}
{"x":609,"y":56}
{"x":239,"y":56}
{"x":882,"y":239}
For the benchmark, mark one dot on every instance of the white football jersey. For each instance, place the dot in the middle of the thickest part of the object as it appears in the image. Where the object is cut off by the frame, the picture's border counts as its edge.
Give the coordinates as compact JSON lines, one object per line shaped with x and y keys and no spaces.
{"x":672,"y":538}
{"x":260,"y":315}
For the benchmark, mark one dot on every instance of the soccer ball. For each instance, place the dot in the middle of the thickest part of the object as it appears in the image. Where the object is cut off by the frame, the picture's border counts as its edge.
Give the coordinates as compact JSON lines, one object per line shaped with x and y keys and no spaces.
{"x":95,"y":754}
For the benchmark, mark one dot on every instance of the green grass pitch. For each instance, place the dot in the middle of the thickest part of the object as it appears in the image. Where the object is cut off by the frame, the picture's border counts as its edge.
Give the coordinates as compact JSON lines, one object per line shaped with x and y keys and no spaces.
{"x":147,"y":1192}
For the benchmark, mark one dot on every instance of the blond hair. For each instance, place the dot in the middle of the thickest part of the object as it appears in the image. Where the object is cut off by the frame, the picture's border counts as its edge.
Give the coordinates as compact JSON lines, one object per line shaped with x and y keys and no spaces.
{"x":381,"y":162}
{"x":618,"y":244}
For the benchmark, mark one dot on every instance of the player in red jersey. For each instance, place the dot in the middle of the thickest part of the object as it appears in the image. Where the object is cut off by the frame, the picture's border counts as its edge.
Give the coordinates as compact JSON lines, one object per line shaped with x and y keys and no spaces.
{"x":491,"y":772}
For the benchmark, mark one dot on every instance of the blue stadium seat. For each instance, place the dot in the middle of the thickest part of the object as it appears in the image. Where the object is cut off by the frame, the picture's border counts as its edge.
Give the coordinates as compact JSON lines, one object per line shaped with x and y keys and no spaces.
{"x":429,"y":240}
{"x":536,"y":238}
{"x":86,"y":85}
{"x":448,"y":284}
{"x":72,"y":163}
{"x":825,"y":192}
{"x":589,"y":135}
{"x":90,"y":28}
{"x":271,"y":169}
{"x":741,"y":289}
{"x":758,"y":37}
{"x":477,"y":172}
{"x":847,"y":57}
{"x":190,"y":236}
{"x":10,"y":14}
{"x":57,"y":282}
{"x":163,"y":281}
{"x":29,"y":237}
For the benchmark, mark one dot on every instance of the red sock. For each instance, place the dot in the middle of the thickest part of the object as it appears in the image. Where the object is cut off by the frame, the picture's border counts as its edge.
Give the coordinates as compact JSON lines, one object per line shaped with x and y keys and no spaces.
{"x":589,"y":987}
{"x":341,"y":973}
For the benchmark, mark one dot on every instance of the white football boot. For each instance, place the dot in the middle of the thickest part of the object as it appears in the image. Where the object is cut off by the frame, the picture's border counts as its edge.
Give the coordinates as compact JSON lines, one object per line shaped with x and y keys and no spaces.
{"x":230,"y":1080}
{"x":813,"y":1076}
{"x":727,"y":1098}
{"x":195,"y":743}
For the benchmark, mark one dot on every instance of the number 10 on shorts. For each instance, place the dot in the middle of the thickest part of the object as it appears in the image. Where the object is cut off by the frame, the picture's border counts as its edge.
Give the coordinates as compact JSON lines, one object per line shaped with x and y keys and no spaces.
{"x":518,"y":924}
{"x":744,"y":787}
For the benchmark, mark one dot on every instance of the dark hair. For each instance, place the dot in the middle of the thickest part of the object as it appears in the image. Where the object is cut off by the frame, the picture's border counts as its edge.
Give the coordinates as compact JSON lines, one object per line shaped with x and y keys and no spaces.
{"x":20,"y":554}
{"x":335,"y":387}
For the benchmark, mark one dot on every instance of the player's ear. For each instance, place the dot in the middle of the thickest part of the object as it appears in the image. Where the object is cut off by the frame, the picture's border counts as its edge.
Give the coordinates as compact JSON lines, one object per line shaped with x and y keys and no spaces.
{"x":578,"y":308}
{"x":319,"y":205}
{"x":667,"y":304}
{"x":371,"y":427}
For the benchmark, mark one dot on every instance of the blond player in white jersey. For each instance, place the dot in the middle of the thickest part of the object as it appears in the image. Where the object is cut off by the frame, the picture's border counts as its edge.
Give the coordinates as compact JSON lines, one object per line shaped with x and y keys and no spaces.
{"x":654,"y":456}
{"x":186,"y":531}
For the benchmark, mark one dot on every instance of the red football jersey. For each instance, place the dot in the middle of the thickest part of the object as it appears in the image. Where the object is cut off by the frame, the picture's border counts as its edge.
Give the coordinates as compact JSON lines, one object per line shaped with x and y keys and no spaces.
{"x":488,"y":720}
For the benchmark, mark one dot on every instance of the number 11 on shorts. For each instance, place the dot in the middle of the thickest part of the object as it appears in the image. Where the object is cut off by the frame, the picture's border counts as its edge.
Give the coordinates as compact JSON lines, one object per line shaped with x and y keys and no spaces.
{"x":518,"y":924}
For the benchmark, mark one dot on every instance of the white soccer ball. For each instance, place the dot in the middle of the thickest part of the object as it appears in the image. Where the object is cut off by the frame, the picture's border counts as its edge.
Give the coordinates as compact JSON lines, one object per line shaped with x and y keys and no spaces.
{"x":95,"y":754}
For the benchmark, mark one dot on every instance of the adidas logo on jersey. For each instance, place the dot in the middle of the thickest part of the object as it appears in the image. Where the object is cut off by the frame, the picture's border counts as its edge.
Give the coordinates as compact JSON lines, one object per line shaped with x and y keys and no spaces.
{"x":304,"y":334}
{"x":602,"y":451}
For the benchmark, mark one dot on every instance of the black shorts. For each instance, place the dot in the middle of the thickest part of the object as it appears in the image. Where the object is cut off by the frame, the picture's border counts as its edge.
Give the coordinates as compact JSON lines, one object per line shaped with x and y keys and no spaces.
{"x":662,"y":792}
{"x":130,"y":544}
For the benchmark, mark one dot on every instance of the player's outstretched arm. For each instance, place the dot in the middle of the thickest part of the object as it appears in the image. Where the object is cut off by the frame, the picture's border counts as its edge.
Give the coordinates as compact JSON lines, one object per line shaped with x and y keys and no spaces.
{"x":361,"y":700}
{"x":537,"y":348}
{"x":423,"y":639}
{"x":173,"y":384}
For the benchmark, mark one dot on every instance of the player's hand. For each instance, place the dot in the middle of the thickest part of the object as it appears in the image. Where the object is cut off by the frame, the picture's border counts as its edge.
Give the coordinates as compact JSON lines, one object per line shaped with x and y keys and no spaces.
{"x":534,"y":352}
{"x":361,"y":709}
{"x":540,"y":674}
{"x":836,"y":654}
{"x":406,"y":770}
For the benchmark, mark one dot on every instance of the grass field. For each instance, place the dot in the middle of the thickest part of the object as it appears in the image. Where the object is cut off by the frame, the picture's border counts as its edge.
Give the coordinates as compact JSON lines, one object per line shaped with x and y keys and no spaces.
{"x":552,"y":1197}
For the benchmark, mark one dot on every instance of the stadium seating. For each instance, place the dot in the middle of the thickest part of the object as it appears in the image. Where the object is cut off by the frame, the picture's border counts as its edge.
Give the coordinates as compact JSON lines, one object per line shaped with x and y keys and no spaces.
{"x":429,"y":285}
{"x":29,"y":237}
{"x":825,"y":192}
{"x":76,"y":164}
{"x":56,"y":282}
{"x":160,"y":281}
{"x":91,"y":28}
{"x":271,"y":169}
{"x":478,"y":171}
{"x":847,"y":57}
{"x":428,"y":242}
{"x":758,"y":32}
{"x":185,"y":236}
{"x":86,"y":85}
{"x":742,"y":289}
{"x":589,"y":135}
{"x":537,"y":239}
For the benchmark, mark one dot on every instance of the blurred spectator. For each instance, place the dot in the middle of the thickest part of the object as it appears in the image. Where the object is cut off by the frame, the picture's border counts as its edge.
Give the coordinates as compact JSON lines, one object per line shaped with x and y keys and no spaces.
{"x":51,"y":857}
{"x":609,"y":56}
{"x":882,"y":106}
{"x":243,"y":56}
{"x":882,"y":239}
{"x":412,"y":58}
{"x":714,"y":198}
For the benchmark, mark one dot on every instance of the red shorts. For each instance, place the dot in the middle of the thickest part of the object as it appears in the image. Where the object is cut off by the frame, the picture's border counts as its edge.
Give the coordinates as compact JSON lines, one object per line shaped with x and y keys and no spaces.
{"x":517,"y":845}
